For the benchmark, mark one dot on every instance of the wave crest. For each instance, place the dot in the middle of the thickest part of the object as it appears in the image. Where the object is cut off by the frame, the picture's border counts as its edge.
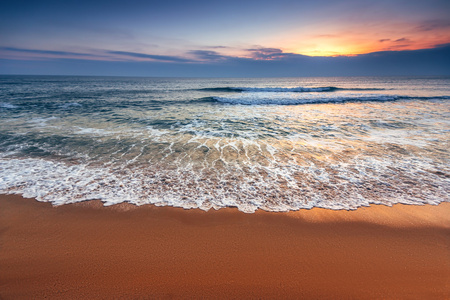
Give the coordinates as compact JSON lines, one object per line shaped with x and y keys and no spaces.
{"x":267,"y":100}
{"x":299,"y":89}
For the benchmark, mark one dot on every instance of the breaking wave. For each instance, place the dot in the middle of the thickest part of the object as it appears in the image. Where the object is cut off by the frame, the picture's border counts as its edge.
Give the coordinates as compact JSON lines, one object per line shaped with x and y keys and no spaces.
{"x":255,"y":99}
{"x":284,"y":90}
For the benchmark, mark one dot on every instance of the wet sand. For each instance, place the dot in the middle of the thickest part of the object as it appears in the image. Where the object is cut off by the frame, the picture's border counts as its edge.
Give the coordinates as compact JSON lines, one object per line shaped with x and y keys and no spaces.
{"x":87,"y":251}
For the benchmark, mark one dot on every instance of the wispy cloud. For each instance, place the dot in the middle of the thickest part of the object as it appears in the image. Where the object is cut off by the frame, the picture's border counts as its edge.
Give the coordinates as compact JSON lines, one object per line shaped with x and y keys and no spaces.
{"x":42,"y":54}
{"x":95,"y":54}
{"x":396,"y":44}
{"x":217,"y":47}
{"x":402,"y":40}
{"x":162,"y":58}
{"x":38,"y":51}
{"x":431,"y":25}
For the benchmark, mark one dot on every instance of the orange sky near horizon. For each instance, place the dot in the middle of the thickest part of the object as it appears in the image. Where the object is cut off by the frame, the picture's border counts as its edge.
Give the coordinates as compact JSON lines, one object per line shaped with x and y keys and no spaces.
{"x":351,"y":39}
{"x":204,"y":31}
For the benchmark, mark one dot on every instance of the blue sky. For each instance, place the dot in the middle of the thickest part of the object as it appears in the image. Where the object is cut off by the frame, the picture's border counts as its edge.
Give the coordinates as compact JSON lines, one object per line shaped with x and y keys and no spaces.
{"x":225,"y":38}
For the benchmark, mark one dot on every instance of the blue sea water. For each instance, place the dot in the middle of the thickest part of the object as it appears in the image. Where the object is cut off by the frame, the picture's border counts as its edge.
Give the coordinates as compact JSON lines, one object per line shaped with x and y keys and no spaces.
{"x":276,"y":144}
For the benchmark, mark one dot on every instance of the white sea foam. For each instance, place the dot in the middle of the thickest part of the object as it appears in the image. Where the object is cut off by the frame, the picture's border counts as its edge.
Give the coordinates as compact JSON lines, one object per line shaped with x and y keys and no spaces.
{"x":400,"y":137}
{"x":41,"y":122}
{"x":274,"y":186}
{"x":156,"y":132}
{"x":7,"y":105}
{"x":93,"y":131}
{"x":70,"y":105}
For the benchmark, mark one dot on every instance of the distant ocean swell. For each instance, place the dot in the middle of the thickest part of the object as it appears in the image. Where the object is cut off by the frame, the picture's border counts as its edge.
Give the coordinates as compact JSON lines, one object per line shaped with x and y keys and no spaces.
{"x":282,"y":90}
{"x":280,"y":99}
{"x":266,"y":98}
{"x":257,"y":98}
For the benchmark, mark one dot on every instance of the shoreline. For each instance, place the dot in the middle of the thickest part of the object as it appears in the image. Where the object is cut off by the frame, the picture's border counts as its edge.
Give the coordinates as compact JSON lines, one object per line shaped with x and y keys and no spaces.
{"x":86,"y":250}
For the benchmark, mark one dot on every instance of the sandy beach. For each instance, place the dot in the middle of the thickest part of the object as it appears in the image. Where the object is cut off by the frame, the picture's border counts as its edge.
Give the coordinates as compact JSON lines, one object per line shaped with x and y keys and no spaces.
{"x":87,"y":251}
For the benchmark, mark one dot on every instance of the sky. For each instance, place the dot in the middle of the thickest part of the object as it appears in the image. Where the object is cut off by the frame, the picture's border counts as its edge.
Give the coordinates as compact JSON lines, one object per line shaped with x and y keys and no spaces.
{"x":234,"y":38}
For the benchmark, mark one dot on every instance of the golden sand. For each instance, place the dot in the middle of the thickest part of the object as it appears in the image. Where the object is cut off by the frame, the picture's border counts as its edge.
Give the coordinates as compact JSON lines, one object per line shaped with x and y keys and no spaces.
{"x":87,"y":251}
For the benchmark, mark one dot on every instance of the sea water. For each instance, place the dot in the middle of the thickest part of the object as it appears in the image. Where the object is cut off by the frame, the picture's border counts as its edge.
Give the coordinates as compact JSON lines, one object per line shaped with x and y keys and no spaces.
{"x":276,"y":144}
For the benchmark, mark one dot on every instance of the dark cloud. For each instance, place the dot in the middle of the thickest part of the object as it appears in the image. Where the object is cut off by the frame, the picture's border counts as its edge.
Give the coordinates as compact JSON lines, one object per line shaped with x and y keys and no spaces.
{"x":442,"y":46}
{"x":163,"y":58}
{"x":266,"y":50}
{"x":208,"y":55}
{"x":266,"y":53}
{"x":384,"y":40}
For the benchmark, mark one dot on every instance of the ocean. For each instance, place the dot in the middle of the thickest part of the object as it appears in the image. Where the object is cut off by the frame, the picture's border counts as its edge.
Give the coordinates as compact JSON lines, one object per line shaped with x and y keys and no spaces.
{"x":276,"y":144}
